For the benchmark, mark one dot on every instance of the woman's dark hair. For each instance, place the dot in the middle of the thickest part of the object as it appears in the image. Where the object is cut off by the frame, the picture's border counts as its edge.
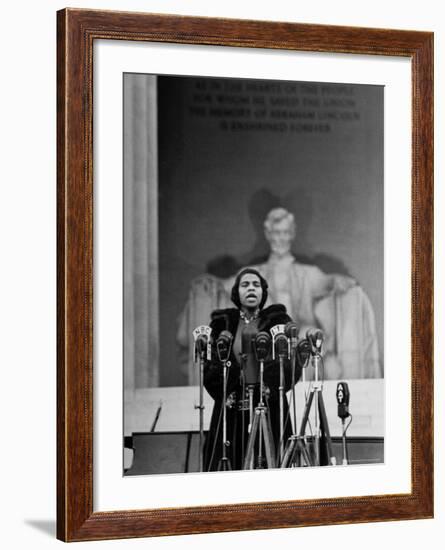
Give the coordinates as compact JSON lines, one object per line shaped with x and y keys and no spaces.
{"x":235,"y":289}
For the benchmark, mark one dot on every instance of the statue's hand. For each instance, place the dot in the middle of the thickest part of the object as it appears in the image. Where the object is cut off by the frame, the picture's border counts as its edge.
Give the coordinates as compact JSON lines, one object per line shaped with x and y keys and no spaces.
{"x":342,"y":283}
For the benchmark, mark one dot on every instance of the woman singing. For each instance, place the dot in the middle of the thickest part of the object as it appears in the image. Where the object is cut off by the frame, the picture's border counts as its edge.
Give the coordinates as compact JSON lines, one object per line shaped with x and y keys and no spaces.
{"x":249,"y":294}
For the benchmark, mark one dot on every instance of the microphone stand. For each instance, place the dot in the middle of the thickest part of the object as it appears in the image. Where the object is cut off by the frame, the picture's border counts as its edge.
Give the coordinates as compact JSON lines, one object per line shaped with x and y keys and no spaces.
{"x":297,"y":452}
{"x":224,"y":463}
{"x":281,"y":394}
{"x":201,"y":336}
{"x":317,"y":401}
{"x":261,"y":429}
{"x":293,"y":360}
{"x":321,"y":420}
{"x":250,"y":390}
{"x":296,"y":444}
{"x":201,"y":412}
{"x":282,"y":354}
{"x":345,"y":460}
{"x":260,"y":447}
{"x":201,"y":408}
{"x":343,"y":413}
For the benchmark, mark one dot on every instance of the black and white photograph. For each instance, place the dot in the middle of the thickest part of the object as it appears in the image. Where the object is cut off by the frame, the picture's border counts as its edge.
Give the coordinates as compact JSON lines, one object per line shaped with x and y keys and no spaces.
{"x":253,"y":258}
{"x":220,"y":231}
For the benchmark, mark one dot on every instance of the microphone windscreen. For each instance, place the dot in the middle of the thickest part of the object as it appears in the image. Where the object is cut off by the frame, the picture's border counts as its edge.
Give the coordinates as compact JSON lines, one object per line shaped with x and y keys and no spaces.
{"x":201,"y":343}
{"x":224,"y":345}
{"x":281,"y":345}
{"x":343,"y":395}
{"x":291,"y":331}
{"x":262,"y":345}
{"x":315,"y":336}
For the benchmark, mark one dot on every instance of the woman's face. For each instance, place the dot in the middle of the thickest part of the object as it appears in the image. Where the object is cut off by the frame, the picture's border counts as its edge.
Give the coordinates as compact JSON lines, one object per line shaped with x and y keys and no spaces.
{"x":250,"y":291}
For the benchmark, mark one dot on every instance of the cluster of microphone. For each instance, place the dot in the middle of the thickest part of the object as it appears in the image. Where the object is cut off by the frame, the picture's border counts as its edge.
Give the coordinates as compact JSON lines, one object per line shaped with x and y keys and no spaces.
{"x":257,"y":346}
{"x":281,"y":343}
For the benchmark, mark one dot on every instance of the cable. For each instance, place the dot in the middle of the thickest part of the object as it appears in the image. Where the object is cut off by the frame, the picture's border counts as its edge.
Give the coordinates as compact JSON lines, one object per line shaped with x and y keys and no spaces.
{"x":345,"y":429}
{"x":345,"y":441}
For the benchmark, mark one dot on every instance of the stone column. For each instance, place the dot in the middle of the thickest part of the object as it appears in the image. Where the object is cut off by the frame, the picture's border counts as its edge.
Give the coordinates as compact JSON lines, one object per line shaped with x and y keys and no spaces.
{"x":141,"y":288}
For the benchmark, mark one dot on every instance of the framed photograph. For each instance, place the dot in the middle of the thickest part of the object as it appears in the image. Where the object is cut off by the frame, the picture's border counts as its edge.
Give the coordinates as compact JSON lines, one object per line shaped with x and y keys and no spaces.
{"x":245,"y":228}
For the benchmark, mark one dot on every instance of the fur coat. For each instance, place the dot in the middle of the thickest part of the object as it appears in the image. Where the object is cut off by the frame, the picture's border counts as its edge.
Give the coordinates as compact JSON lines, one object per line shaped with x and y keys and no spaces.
{"x":237,"y":420}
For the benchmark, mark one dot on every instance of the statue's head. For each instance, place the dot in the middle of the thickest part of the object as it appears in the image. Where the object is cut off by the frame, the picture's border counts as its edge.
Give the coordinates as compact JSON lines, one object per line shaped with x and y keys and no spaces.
{"x":279,"y":229}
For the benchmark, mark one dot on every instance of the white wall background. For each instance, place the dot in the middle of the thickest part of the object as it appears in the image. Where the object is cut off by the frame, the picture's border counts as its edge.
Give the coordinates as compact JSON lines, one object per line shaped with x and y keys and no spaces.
{"x":28,"y":282}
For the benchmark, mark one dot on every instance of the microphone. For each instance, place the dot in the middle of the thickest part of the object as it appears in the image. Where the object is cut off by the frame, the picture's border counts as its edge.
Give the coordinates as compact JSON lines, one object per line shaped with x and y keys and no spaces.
{"x":304,"y":350}
{"x":281,"y":346}
{"x":315,"y":337}
{"x":201,"y":344}
{"x":262,"y":345}
{"x":280,"y":349}
{"x":247,"y":350}
{"x":201,"y":336}
{"x":280,"y":343}
{"x":291,"y":331}
{"x":224,"y":345}
{"x":343,"y":400}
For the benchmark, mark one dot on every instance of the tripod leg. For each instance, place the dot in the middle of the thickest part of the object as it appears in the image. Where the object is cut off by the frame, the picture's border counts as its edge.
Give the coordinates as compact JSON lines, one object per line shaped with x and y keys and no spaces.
{"x":260,"y":458}
{"x":325,"y":427}
{"x":248,"y":459}
{"x":294,"y":404}
{"x":307,"y":409}
{"x":317,"y":428}
{"x":288,"y":453}
{"x":224,"y":465}
{"x":268,"y":441}
{"x":304,"y":453}
{"x":295,"y":457}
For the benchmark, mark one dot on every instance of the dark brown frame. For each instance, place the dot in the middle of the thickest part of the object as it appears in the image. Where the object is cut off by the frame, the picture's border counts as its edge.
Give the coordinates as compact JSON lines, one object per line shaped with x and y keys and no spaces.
{"x":77,"y":30}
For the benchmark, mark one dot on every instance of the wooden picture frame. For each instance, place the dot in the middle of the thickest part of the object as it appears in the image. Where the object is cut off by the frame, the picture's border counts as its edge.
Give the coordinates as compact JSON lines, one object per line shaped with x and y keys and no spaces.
{"x":77,"y":31}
